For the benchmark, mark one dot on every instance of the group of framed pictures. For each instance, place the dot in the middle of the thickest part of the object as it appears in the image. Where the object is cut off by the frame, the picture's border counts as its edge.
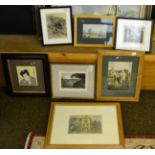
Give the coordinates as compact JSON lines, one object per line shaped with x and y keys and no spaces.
{"x":79,"y":124}
{"x":118,"y":76}
{"x":95,"y":30}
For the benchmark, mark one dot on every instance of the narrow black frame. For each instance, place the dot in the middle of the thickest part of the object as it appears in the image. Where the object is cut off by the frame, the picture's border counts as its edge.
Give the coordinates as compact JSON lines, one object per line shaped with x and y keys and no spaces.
{"x":24,"y":56}
{"x":116,"y":28}
{"x":71,"y":20}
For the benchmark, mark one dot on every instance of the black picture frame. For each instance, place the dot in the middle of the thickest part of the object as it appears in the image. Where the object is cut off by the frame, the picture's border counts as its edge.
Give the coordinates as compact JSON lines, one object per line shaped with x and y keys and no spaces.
{"x":119,"y":38}
{"x":43,"y":28}
{"x":153,"y":13}
{"x":44,"y":87}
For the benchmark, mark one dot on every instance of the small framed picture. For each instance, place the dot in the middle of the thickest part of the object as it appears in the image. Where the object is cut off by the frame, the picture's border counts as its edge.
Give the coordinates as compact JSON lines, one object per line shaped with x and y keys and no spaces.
{"x":56,"y":24}
{"x":134,"y":34}
{"x":94,"y":31}
{"x":73,"y":81}
{"x":85,"y":126}
{"x":27,"y":74}
{"x":119,"y":75}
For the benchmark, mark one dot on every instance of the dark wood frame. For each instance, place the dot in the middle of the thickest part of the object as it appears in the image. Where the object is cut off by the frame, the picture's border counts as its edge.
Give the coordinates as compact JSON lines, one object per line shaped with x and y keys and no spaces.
{"x":42,"y":57}
{"x":99,"y":95}
{"x":153,"y":12}
{"x":139,"y":20}
{"x":48,"y":145}
{"x":61,"y":7}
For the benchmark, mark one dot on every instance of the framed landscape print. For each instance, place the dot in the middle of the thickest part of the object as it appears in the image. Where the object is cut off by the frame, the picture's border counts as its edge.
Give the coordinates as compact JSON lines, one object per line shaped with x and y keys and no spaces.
{"x":73,"y":81}
{"x":131,"y":11}
{"x":56,"y":23}
{"x":134,"y":34}
{"x":119,"y":75}
{"x":94,"y":31}
{"x":27,"y":74}
{"x":84,"y":126}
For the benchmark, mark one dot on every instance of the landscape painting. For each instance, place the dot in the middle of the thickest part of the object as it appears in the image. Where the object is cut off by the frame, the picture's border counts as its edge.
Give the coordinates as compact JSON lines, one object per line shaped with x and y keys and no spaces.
{"x":73,"y":80}
{"x":98,"y":31}
{"x":94,"y":31}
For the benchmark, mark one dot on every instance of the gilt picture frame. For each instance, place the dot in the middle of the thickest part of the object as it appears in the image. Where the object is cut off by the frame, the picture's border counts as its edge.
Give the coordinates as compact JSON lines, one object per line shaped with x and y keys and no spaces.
{"x":75,"y":81}
{"x":129,"y":11}
{"x":134,"y":34}
{"x":56,"y":25}
{"x":26,"y":74}
{"x":84,"y":126}
{"x":94,"y":31}
{"x":119,"y":75}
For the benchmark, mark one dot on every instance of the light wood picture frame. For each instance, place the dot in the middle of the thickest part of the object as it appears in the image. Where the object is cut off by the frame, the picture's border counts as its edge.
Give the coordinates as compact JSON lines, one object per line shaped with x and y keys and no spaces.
{"x":94,"y":31}
{"x":66,"y":132}
{"x":119,"y":75}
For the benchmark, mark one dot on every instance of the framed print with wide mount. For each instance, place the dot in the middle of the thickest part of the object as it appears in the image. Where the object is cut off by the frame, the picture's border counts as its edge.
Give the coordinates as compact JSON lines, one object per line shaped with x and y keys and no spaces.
{"x":73,"y":81}
{"x":56,"y":24}
{"x":129,"y":11}
{"x":119,"y":75}
{"x":133,"y":34}
{"x":27,"y":74}
{"x":94,"y":31}
{"x":85,"y":126}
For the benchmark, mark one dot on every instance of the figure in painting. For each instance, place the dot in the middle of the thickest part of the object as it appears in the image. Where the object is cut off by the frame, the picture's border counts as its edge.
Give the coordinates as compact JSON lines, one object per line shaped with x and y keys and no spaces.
{"x":27,"y":80}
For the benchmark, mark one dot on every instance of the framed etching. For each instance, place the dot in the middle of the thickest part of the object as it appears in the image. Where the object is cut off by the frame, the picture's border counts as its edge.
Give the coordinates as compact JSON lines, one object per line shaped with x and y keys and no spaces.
{"x":119,"y":75}
{"x":56,"y":23}
{"x":26,"y":74}
{"x":130,"y":11}
{"x":73,"y":81}
{"x":94,"y":31}
{"x":134,"y":34}
{"x":84,"y":126}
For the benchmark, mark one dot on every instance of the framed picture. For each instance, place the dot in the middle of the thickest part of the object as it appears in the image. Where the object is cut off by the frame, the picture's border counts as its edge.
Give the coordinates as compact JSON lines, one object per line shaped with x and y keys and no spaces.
{"x":119,"y":75}
{"x":27,"y":74}
{"x":130,"y":11}
{"x":153,"y":18}
{"x":94,"y":31}
{"x":134,"y":34}
{"x":56,"y":23}
{"x":84,"y":125}
{"x":73,"y":81}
